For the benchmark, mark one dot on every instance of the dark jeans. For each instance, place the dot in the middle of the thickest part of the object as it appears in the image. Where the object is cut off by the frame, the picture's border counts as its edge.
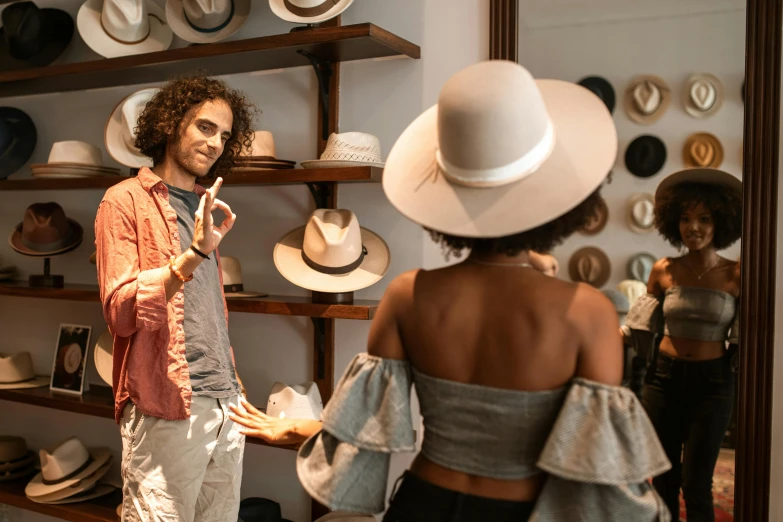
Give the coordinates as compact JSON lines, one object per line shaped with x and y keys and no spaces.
{"x":689,"y":403}
{"x":417,"y":500}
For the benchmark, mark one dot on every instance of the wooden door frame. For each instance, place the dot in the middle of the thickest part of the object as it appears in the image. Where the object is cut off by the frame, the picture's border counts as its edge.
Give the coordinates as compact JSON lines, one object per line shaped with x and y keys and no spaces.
{"x":759,"y":232}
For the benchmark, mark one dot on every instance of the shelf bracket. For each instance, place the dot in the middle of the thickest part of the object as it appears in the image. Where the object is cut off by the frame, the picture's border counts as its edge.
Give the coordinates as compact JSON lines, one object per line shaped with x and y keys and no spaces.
{"x":321,"y":193}
{"x":319,"y":324}
{"x":323,"y":71}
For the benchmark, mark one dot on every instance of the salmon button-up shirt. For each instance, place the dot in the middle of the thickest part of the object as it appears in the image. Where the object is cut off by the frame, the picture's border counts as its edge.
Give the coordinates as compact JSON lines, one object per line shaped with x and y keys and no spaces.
{"x":135,"y":235}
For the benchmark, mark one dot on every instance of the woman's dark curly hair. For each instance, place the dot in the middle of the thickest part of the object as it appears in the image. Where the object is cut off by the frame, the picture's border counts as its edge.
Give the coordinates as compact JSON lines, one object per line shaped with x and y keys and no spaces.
{"x":724,"y":204}
{"x":160,"y":121}
{"x":540,"y":239}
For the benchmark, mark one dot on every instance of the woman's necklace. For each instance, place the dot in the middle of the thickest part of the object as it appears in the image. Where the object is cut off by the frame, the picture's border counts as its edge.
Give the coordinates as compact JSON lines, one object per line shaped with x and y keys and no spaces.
{"x":699,"y":276}
{"x":489,"y":263}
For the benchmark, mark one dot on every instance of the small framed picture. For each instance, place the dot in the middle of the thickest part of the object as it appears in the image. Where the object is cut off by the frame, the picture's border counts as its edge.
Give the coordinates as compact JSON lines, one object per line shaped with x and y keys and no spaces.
{"x":70,"y":359}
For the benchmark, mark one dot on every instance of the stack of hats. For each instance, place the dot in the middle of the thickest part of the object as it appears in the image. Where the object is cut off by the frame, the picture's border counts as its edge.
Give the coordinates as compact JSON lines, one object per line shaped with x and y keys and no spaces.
{"x":70,"y":473}
{"x":73,"y":159}
{"x":15,"y":460}
{"x":7,"y":272}
{"x":261,"y":154}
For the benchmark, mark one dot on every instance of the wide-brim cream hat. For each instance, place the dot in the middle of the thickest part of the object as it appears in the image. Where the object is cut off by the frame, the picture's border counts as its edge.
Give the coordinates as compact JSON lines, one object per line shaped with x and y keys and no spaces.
{"x":103,"y":356}
{"x":131,"y":35}
{"x":119,"y":137}
{"x":308,"y":11}
{"x":703,"y":95}
{"x":84,"y":485}
{"x":500,"y":153}
{"x":647,"y":98}
{"x":363,"y":262}
{"x":229,"y":16}
{"x":641,"y":213}
{"x":65,"y":466}
{"x":702,"y":150}
{"x":708,"y":176}
{"x":16,"y":372}
{"x":101,"y":490}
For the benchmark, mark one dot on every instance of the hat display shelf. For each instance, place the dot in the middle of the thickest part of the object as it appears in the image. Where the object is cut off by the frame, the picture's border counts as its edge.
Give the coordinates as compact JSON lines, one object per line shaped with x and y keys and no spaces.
{"x":46,"y":279}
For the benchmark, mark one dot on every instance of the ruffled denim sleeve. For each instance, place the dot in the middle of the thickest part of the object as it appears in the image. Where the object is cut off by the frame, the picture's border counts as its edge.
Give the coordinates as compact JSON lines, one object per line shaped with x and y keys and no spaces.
{"x":346,"y":465}
{"x":646,"y":314}
{"x":600,"y":455}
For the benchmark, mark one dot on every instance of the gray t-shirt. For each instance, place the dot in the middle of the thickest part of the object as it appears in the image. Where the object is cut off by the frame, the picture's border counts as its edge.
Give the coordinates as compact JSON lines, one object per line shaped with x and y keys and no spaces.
{"x":207,"y":348}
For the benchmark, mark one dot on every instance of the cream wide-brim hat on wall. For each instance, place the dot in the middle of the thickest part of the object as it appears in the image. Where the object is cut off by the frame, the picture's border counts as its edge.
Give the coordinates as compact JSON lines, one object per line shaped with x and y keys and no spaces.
{"x":203,"y":26}
{"x":308,"y":11}
{"x":119,"y":133}
{"x":703,"y":95}
{"x":500,"y":153}
{"x":647,"y":98}
{"x":641,"y":213}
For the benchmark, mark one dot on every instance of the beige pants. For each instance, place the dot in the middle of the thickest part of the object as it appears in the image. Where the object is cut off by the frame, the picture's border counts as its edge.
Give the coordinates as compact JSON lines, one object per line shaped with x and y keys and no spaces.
{"x":183,"y":471}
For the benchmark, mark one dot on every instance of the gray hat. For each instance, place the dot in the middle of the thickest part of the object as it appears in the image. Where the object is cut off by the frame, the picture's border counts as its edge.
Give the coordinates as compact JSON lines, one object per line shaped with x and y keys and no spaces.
{"x":618,"y":299}
{"x":640,"y":266}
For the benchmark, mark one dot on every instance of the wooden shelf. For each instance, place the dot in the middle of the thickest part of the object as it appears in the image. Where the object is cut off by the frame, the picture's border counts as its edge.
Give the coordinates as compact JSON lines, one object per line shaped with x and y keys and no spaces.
{"x":102,"y":509}
{"x":360,"y":309}
{"x":236,"y":178}
{"x":98,"y":402}
{"x":334,"y":44}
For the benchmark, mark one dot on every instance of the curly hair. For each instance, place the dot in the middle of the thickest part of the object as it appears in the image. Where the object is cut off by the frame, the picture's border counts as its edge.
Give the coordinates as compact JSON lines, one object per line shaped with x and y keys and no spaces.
{"x":160,"y":120}
{"x":724,"y":204}
{"x":540,"y":239}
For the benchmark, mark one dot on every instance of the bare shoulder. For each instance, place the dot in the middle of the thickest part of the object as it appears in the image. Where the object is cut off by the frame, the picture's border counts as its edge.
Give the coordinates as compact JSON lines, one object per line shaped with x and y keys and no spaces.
{"x":591,"y":308}
{"x":595,"y":321}
{"x":659,"y":271}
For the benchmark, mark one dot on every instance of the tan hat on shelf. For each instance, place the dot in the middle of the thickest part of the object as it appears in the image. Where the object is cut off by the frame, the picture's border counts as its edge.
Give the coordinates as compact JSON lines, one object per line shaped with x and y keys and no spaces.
{"x":501,"y":153}
{"x":641,"y":213}
{"x":349,"y":149}
{"x":73,"y":159}
{"x":300,"y":401}
{"x":103,"y":356}
{"x":590,"y":265}
{"x":647,"y":98}
{"x":114,"y":28}
{"x":65,"y":466}
{"x":598,"y":222}
{"x":640,"y":266}
{"x":16,"y":372}
{"x":100,"y":490}
{"x":332,"y":253}
{"x":84,"y":486}
{"x":119,"y":136}
{"x":702,"y":149}
{"x":703,"y":95}
{"x":261,"y":154}
{"x":206,"y":21}
{"x":232,"y":279}
{"x":308,"y":11}
{"x":45,"y":231}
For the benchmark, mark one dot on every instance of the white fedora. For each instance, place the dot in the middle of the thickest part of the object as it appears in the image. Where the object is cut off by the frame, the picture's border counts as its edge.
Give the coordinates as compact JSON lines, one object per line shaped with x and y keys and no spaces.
{"x":120,"y":133}
{"x":103,"y":356}
{"x":346,"y":516}
{"x":641,"y":213}
{"x":308,"y":11}
{"x":232,"y":279}
{"x":66,"y":465}
{"x":16,"y":372}
{"x":332,"y":253}
{"x":206,"y":21}
{"x":84,"y":485}
{"x":500,"y":153}
{"x":301,"y":401}
{"x":646,"y":99}
{"x":115,"y":28}
{"x":703,"y":95}
{"x":349,"y":149}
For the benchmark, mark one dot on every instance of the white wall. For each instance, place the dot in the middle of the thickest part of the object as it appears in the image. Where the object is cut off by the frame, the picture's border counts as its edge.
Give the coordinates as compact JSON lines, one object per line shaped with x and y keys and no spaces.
{"x":380,"y":97}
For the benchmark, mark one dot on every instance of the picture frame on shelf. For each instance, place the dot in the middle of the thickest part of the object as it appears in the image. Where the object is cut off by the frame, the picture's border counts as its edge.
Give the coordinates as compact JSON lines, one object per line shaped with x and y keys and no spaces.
{"x":69,"y":365}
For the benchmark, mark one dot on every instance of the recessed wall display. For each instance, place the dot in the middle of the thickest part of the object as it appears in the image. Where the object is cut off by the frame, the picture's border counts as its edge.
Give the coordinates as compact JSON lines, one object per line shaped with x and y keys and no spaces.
{"x":645,"y":156}
{"x":641,"y":213}
{"x":703,"y":95}
{"x":590,"y":265}
{"x":702,"y":149}
{"x":646,"y":99}
{"x":602,"y":88}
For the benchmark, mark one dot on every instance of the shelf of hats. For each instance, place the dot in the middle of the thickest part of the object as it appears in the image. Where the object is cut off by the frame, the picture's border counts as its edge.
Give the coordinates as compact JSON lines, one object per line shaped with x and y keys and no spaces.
{"x":70,"y":94}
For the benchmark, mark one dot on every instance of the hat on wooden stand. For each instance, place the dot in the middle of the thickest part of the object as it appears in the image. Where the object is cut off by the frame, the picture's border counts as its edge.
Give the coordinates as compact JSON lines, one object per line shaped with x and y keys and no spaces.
{"x":45,"y":231}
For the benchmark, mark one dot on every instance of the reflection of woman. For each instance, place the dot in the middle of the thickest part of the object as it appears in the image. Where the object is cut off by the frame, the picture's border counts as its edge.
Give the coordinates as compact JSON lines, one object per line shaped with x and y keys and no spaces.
{"x":692,"y":303}
{"x":516,"y":372}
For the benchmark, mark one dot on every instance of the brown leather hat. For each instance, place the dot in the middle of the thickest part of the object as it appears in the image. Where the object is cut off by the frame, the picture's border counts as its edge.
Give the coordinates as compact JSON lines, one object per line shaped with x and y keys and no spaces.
{"x":46,"y":231}
{"x":590,"y":265}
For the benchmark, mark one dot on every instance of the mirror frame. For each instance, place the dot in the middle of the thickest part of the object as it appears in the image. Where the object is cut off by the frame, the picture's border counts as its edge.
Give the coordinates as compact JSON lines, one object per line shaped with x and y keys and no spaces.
{"x":760,"y":169}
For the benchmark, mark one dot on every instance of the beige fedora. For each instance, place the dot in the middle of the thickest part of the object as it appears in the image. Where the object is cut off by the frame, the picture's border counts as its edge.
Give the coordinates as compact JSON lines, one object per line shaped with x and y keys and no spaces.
{"x":84,"y":485}
{"x":707,"y":176}
{"x":703,"y":95}
{"x":65,"y":465}
{"x":301,"y":401}
{"x":646,"y":99}
{"x":232,"y":279}
{"x":308,"y":11}
{"x":103,"y":356}
{"x":641,"y":213}
{"x":702,"y":149}
{"x":74,"y":159}
{"x":16,"y":372}
{"x":349,"y":149}
{"x":114,"y":28}
{"x":206,"y":21}
{"x":590,"y":265}
{"x":332,"y":253}
{"x":262,"y":152}
{"x":598,"y":222}
{"x":119,"y":135}
{"x":500,"y":153}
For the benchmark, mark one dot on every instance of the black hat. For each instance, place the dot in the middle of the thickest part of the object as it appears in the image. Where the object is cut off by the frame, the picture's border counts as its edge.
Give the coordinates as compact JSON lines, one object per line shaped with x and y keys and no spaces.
{"x":602,"y":88}
{"x":256,"y":509}
{"x":17,"y":140}
{"x":645,"y":156}
{"x":33,"y":37}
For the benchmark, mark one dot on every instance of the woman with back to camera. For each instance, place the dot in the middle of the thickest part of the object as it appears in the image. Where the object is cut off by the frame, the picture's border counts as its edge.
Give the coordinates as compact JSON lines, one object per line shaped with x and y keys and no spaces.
{"x":692,"y":304}
{"x":517,"y":373}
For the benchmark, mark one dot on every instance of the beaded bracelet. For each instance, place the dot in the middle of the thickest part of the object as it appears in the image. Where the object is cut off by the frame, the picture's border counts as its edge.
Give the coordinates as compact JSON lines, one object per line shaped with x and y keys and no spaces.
{"x":177,"y":272}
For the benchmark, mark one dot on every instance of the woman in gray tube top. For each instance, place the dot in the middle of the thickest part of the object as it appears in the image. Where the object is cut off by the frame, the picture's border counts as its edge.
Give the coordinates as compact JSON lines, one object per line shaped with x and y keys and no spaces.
{"x":692,"y":306}
{"x":516,"y":372}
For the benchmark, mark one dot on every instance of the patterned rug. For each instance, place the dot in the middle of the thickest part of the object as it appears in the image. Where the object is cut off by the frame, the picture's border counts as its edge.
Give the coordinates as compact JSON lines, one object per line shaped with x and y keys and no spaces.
{"x":722,"y":489}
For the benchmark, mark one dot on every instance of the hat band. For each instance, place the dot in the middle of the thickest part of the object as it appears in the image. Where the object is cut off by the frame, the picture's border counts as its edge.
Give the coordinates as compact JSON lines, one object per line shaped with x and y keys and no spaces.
{"x":49,"y":247}
{"x":309,"y":12}
{"x":496,"y":176}
{"x":233,"y":289}
{"x":211,"y":29}
{"x":334,"y":270}
{"x":69,"y":475}
{"x":127,"y":42}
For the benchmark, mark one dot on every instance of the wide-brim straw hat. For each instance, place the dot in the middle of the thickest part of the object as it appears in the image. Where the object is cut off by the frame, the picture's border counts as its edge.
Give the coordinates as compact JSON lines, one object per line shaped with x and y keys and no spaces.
{"x":702,"y":175}
{"x":641,"y":213}
{"x":232,"y":21}
{"x":91,"y":28}
{"x":98,"y":459}
{"x":523,"y":152}
{"x":703,"y":95}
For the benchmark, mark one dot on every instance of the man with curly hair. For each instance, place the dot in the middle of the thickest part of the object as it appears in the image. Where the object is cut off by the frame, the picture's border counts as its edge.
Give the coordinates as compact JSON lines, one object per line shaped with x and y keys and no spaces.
{"x":162,"y":293}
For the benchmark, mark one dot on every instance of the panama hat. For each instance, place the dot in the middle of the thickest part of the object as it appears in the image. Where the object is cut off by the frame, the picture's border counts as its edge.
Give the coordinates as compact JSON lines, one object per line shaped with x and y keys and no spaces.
{"x":590,"y":265}
{"x":500,"y":153}
{"x":308,"y":11}
{"x":65,"y":465}
{"x":103,"y":356}
{"x":646,"y":99}
{"x":702,"y":149}
{"x":16,"y":372}
{"x":120,"y":133}
{"x":301,"y":401}
{"x":641,"y":213}
{"x":206,"y":21}
{"x":706,"y":176}
{"x":349,"y":149}
{"x":332,"y":253}
{"x":115,"y":28}
{"x":87,"y":484}
{"x":703,"y":95}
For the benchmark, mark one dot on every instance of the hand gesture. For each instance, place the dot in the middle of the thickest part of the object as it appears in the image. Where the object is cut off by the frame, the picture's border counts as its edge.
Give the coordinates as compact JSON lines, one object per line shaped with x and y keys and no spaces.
{"x":207,"y":237}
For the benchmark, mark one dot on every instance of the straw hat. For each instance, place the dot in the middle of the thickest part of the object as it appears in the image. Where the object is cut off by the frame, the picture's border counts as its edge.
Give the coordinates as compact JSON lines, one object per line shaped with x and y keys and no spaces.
{"x":86,"y":484}
{"x":646,"y":99}
{"x":349,"y":149}
{"x":308,"y":11}
{"x":500,"y":153}
{"x":73,"y":159}
{"x":598,"y":222}
{"x":16,"y":372}
{"x":640,"y":266}
{"x":332,"y":253}
{"x":232,"y":279}
{"x":702,"y":149}
{"x":206,"y":21}
{"x":301,"y":401}
{"x":103,"y":356}
{"x":115,"y":28}
{"x":641,"y":213}
{"x":101,"y":490}
{"x":708,"y":176}
{"x":645,"y":156}
{"x":65,"y":465}
{"x":602,"y":88}
{"x":703,"y":95}
{"x":590,"y":265}
{"x":119,"y":135}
